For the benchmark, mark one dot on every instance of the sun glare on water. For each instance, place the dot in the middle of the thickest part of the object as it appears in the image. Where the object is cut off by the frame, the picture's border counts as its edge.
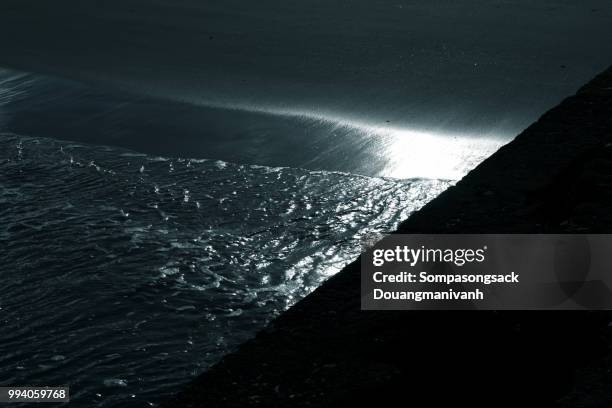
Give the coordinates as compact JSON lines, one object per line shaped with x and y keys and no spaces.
{"x":412,"y":154}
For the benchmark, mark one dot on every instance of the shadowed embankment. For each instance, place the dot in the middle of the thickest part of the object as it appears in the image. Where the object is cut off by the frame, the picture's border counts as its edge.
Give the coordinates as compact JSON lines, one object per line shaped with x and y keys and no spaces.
{"x":555,"y":177}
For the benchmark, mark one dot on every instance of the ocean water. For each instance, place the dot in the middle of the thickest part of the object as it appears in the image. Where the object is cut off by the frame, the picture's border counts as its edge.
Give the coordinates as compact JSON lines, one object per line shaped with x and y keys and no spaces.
{"x":124,"y":274}
{"x":40,"y":106}
{"x":186,"y":170}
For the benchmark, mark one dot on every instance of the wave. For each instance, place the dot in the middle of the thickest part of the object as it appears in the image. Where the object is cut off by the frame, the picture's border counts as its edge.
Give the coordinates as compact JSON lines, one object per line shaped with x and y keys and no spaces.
{"x":105,"y":249}
{"x":38,"y":105}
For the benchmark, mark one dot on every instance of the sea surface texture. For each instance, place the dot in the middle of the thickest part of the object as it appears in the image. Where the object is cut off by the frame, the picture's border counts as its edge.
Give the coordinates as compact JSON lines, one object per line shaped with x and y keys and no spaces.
{"x":174,"y":174}
{"x":124,"y":275}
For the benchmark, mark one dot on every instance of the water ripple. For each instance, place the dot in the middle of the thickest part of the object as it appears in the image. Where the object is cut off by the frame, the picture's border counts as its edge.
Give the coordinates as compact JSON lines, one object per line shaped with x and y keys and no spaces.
{"x":126,"y":275}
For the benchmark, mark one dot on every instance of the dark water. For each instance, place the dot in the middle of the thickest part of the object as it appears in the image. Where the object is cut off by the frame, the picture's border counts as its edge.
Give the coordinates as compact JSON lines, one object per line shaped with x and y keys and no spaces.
{"x":38,"y":105}
{"x":442,"y":66}
{"x":125,"y":274}
{"x":186,"y":170}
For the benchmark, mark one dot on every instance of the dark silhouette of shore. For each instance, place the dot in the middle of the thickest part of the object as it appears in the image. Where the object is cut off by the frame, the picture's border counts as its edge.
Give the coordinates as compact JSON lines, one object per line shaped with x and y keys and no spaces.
{"x":555,"y":177}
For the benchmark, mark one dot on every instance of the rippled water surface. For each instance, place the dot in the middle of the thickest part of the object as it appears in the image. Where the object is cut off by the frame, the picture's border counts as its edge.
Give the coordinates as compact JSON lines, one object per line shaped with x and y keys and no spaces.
{"x":125,"y":275}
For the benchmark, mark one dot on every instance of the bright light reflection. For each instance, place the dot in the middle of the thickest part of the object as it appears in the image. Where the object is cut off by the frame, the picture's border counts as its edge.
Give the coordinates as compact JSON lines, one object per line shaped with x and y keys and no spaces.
{"x":413,"y":154}
{"x":408,"y":153}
